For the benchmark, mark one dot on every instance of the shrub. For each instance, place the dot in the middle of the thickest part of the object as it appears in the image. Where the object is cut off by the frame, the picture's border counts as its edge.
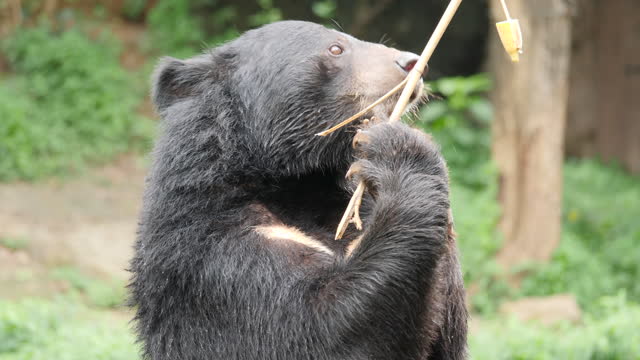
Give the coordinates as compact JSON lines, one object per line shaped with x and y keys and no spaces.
{"x":459,"y":119}
{"x":173,"y":30}
{"x":69,"y":103}
{"x":599,"y":253}
{"x":611,"y":333}
{"x":182,"y":28}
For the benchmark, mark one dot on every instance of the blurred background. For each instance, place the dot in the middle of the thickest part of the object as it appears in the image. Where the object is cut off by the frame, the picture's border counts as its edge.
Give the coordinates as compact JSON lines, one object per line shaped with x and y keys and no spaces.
{"x":544,"y":158}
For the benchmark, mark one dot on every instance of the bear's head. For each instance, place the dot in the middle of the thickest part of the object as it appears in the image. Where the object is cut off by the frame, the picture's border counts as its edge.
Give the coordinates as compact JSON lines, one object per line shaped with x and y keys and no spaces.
{"x":265,"y":95}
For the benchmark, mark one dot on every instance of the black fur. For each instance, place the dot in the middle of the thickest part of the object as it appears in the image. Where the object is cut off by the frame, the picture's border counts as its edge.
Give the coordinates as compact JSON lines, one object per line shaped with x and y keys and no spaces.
{"x":238,"y":150}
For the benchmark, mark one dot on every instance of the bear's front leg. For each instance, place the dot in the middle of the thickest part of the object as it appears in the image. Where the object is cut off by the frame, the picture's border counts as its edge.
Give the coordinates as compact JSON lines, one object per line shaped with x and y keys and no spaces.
{"x":405,"y":176}
{"x":379,"y":290}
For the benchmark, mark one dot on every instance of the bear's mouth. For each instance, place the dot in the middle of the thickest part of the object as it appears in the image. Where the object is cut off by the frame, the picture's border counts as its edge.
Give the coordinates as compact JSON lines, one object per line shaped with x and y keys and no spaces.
{"x":418,"y":96}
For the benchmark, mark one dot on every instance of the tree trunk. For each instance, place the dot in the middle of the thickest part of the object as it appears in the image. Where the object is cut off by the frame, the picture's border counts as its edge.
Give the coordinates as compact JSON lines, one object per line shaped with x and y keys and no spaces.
{"x":530,"y":99}
{"x":604,"y":111}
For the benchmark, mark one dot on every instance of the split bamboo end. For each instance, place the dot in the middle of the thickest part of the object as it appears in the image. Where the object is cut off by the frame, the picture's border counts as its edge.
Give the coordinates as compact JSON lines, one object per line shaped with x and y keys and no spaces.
{"x":511,"y":38}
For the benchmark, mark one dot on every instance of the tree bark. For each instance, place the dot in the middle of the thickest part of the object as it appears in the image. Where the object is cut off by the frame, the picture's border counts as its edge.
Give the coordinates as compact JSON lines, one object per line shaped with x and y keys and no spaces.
{"x":10,"y":16}
{"x":604,"y":111}
{"x":530,"y":99}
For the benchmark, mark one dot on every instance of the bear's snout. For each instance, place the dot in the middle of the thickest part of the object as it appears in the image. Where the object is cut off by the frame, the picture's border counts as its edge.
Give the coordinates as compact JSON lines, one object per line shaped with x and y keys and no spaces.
{"x":407,"y":61}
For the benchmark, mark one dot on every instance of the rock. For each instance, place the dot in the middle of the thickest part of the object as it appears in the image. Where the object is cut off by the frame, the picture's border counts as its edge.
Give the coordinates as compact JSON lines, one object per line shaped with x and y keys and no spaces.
{"x":547,"y":310}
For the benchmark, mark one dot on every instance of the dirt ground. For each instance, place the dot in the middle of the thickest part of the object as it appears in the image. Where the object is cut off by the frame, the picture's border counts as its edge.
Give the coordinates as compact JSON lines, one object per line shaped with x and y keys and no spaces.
{"x":88,"y":221}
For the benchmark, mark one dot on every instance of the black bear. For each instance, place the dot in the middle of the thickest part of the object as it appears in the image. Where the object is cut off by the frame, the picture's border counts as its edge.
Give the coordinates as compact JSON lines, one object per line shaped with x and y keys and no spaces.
{"x":236,"y":257}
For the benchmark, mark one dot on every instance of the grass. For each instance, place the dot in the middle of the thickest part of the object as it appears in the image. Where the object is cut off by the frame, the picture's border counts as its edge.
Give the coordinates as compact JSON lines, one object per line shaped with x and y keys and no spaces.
{"x":67,"y":329}
{"x":95,"y":292}
{"x":611,"y":333}
{"x":62,"y":329}
{"x":14,"y":243}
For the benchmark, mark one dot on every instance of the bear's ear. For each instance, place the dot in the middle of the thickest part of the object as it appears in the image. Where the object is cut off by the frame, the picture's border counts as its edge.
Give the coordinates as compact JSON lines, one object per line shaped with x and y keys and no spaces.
{"x":174,"y":80}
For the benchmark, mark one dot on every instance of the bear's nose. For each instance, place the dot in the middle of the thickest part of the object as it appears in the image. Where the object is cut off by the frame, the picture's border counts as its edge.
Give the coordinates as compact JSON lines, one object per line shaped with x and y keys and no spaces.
{"x":408,"y":60}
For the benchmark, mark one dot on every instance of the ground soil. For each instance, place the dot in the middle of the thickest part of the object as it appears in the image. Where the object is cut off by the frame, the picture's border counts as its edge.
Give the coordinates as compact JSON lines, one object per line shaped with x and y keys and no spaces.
{"x":88,"y":222}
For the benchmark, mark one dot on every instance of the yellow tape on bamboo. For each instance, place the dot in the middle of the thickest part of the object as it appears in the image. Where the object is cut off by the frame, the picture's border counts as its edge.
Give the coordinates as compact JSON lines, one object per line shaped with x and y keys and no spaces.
{"x":510,"y":34}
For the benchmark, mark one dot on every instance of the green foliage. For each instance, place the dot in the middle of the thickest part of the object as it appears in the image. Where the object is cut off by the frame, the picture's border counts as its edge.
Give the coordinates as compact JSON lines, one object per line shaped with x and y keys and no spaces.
{"x":174,"y":31}
{"x":324,"y":9}
{"x":179,"y":28}
{"x":134,"y":9}
{"x":97,"y":292}
{"x":69,"y":103}
{"x":476,"y":214}
{"x":62,"y":330}
{"x":611,"y":333}
{"x":459,"y":121}
{"x":267,"y":14}
{"x":13,"y":332}
{"x":67,"y":330}
{"x":599,"y":250}
{"x":598,"y":253}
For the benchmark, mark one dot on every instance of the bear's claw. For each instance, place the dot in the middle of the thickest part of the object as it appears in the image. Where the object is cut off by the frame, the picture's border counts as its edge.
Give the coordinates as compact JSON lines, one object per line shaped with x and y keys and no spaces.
{"x":355,"y":168}
{"x":360,"y":138}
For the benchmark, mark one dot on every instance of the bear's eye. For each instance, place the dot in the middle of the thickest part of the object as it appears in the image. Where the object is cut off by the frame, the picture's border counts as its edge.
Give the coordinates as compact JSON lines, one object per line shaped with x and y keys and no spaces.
{"x":336,"y":50}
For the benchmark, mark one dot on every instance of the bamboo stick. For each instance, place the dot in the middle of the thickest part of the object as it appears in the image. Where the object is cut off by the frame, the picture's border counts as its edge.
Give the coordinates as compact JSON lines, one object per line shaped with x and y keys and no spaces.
{"x":365,"y":110}
{"x":401,"y":105}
